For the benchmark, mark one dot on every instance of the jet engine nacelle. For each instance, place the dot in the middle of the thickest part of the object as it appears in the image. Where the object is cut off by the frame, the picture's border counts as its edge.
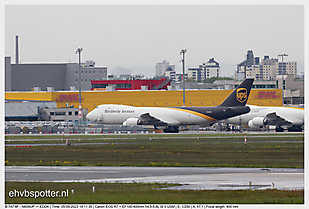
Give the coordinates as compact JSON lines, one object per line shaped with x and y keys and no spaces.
{"x":132,"y":122}
{"x":257,"y":122}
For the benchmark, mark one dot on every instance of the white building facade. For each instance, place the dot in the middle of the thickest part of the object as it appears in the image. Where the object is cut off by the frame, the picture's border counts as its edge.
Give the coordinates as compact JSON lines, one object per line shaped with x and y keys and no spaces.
{"x":161,"y":68}
{"x":171,"y":74}
{"x":267,"y":69}
{"x":205,"y":70}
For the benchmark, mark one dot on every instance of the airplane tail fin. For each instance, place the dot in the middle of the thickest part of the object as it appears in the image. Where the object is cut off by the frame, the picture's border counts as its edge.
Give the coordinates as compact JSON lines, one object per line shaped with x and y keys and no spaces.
{"x":240,"y":95}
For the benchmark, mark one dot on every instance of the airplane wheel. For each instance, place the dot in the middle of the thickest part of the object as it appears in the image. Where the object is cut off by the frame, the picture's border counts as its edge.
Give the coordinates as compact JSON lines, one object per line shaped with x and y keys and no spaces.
{"x":171,"y":129}
{"x":295,"y":128}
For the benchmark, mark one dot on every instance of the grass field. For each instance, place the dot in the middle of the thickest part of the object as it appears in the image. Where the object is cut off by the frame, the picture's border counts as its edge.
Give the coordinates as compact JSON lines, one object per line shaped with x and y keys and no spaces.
{"x":146,"y":194}
{"x":206,"y":150}
{"x":163,"y":150}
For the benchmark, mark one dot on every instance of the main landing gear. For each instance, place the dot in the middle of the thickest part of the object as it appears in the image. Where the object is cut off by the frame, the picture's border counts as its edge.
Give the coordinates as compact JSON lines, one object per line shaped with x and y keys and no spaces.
{"x":295,"y":128}
{"x":171,"y":129}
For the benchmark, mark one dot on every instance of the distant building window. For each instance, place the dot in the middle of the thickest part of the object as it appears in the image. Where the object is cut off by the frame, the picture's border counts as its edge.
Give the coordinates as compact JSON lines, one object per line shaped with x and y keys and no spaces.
{"x":124,"y":86}
{"x":85,"y":71}
{"x":76,"y":72}
{"x":60,"y":113}
{"x":85,"y":80}
{"x":70,"y":113}
{"x":82,"y":72}
{"x":100,"y":72}
{"x":93,"y":72}
{"x":52,"y":113}
{"x":76,"y":80}
{"x":76,"y":112}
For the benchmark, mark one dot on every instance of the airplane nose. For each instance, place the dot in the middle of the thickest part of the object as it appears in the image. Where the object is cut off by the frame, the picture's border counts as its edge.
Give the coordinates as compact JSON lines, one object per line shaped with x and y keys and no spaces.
{"x":90,"y":116}
{"x":87,"y":116}
{"x":94,"y":116}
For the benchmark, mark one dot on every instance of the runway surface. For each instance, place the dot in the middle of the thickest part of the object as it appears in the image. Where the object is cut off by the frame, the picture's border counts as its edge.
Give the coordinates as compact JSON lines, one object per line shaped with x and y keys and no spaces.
{"x":190,"y":178}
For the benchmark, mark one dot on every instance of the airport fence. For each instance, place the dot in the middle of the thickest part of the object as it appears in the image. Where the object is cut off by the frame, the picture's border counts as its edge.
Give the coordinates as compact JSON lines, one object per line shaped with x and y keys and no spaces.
{"x":70,"y":128}
{"x":40,"y":127}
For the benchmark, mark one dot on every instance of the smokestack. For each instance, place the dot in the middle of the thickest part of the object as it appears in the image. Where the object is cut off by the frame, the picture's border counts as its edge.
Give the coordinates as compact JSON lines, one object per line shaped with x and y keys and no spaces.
{"x":16,"y":56}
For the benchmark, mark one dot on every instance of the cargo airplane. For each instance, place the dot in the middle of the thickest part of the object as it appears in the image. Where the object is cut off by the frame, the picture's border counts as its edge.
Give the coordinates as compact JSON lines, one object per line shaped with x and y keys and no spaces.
{"x":173,"y":117}
{"x":290,"y":117}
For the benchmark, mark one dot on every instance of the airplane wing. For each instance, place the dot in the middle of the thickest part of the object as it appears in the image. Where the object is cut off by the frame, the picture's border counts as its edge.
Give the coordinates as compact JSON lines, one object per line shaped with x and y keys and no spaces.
{"x":273,"y":118}
{"x":147,"y":119}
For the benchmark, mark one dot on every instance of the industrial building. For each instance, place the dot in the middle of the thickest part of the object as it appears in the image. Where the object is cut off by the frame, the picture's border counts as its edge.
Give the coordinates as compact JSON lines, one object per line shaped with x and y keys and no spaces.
{"x":162,"y":98}
{"x":144,"y":84}
{"x":25,"y":110}
{"x":51,"y":76}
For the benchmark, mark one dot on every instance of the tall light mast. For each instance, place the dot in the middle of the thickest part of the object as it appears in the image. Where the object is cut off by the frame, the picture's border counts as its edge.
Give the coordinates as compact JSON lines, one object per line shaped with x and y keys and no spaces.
{"x":282,"y":55}
{"x":183,"y":51}
{"x":79,"y":51}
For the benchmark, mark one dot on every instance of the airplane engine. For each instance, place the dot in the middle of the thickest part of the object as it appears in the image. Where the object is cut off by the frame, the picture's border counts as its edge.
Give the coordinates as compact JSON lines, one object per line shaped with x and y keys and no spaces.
{"x":132,"y":122}
{"x":257,"y":122}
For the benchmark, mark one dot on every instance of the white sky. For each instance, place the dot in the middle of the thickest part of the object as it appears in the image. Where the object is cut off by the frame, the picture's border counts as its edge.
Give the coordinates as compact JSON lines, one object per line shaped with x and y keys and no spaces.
{"x":138,"y":37}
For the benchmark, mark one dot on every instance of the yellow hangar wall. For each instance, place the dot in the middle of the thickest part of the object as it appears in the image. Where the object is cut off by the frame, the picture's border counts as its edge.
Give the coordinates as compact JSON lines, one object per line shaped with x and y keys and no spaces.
{"x":91,"y":99}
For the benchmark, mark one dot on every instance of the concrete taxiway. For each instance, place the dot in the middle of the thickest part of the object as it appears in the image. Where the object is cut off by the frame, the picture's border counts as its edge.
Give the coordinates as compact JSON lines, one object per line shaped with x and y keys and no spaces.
{"x":190,"y":178}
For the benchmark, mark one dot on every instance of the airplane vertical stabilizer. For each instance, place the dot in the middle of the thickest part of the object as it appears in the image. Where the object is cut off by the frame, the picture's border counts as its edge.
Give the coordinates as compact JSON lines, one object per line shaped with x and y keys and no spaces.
{"x":240,"y":95}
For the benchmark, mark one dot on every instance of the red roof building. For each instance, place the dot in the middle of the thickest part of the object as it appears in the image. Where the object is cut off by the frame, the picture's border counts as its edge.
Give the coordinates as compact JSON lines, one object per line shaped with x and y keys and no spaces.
{"x":102,"y":85}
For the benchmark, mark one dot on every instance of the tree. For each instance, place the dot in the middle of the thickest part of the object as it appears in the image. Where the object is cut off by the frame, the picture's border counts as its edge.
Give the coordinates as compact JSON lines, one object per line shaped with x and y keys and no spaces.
{"x":190,"y":79}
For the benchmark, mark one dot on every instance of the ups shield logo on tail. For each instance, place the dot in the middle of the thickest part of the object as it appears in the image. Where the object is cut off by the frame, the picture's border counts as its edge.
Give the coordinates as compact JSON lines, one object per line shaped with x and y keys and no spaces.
{"x":241,"y":94}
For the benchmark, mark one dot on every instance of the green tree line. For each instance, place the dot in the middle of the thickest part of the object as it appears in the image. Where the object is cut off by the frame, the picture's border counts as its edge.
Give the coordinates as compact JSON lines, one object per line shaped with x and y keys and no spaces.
{"x":209,"y":80}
